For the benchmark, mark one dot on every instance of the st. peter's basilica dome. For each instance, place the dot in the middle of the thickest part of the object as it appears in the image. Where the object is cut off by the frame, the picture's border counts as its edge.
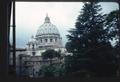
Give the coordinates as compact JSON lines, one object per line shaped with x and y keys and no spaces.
{"x":47,"y":28}
{"x":47,"y":36}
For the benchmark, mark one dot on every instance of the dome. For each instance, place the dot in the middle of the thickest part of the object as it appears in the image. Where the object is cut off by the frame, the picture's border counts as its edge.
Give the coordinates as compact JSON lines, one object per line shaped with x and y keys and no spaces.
{"x":47,"y":37}
{"x":32,"y":40}
{"x":47,"y":28}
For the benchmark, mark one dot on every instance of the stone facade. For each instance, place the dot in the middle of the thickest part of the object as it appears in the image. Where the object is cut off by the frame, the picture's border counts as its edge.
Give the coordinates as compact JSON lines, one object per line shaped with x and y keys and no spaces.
{"x":47,"y":37}
{"x":31,"y":65}
{"x":29,"y":61}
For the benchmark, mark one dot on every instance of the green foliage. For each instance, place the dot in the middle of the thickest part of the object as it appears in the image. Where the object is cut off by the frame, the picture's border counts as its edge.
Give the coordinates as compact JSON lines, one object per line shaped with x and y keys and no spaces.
{"x":47,"y":71}
{"x":89,"y":23}
{"x":53,"y":70}
{"x":111,"y":25}
{"x":50,"y":54}
{"x":68,"y":64}
{"x":90,"y":45}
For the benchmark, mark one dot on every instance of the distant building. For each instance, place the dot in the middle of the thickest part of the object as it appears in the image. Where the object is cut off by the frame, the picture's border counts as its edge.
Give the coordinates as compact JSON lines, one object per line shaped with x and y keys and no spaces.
{"x":29,"y":60}
{"x":47,"y":37}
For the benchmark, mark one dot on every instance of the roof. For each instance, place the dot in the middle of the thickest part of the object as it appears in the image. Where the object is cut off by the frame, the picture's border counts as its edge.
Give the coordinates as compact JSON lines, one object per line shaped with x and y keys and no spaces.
{"x":47,"y":28}
{"x":19,"y":49}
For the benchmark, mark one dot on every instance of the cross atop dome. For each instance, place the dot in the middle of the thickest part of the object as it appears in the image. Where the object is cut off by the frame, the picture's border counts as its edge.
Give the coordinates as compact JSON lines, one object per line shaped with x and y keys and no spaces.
{"x":47,"y":19}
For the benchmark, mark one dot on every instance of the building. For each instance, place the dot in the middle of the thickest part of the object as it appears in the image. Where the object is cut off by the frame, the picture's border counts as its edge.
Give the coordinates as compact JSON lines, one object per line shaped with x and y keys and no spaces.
{"x":29,"y":61}
{"x":47,"y":37}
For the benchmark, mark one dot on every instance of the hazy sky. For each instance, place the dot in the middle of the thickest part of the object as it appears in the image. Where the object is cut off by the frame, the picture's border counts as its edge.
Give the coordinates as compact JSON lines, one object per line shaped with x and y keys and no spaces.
{"x":30,"y":15}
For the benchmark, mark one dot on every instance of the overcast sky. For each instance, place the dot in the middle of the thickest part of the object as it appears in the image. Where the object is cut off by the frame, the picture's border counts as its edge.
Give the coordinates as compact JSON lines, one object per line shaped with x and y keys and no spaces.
{"x":30,"y":15}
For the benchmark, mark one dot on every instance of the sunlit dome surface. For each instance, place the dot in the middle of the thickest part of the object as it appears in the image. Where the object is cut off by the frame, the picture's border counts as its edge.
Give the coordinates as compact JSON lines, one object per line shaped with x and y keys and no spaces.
{"x":47,"y":28}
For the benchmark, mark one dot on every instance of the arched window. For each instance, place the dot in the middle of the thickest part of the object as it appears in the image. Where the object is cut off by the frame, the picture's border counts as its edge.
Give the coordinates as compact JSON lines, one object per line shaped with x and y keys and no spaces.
{"x":51,"y":40}
{"x":55,"y":39}
{"x":33,"y":46}
{"x":46,"y":40}
{"x":41,"y":40}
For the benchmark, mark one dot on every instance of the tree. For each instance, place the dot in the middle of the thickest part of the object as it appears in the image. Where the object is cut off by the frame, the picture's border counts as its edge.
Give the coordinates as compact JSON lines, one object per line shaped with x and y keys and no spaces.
{"x":50,"y":53}
{"x":47,"y":70}
{"x":112,"y":27}
{"x":89,"y":43}
{"x":113,"y":30}
{"x":52,"y":69}
{"x":68,"y":64}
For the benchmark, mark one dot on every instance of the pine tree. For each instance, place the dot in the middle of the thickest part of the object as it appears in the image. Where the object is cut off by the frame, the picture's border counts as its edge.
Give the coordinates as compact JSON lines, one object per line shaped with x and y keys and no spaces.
{"x":113,"y":30}
{"x":89,"y":42}
{"x":111,"y":25}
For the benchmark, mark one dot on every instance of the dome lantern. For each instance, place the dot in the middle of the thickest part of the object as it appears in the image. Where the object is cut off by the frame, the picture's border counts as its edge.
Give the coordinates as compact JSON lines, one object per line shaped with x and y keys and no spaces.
{"x":47,"y":19}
